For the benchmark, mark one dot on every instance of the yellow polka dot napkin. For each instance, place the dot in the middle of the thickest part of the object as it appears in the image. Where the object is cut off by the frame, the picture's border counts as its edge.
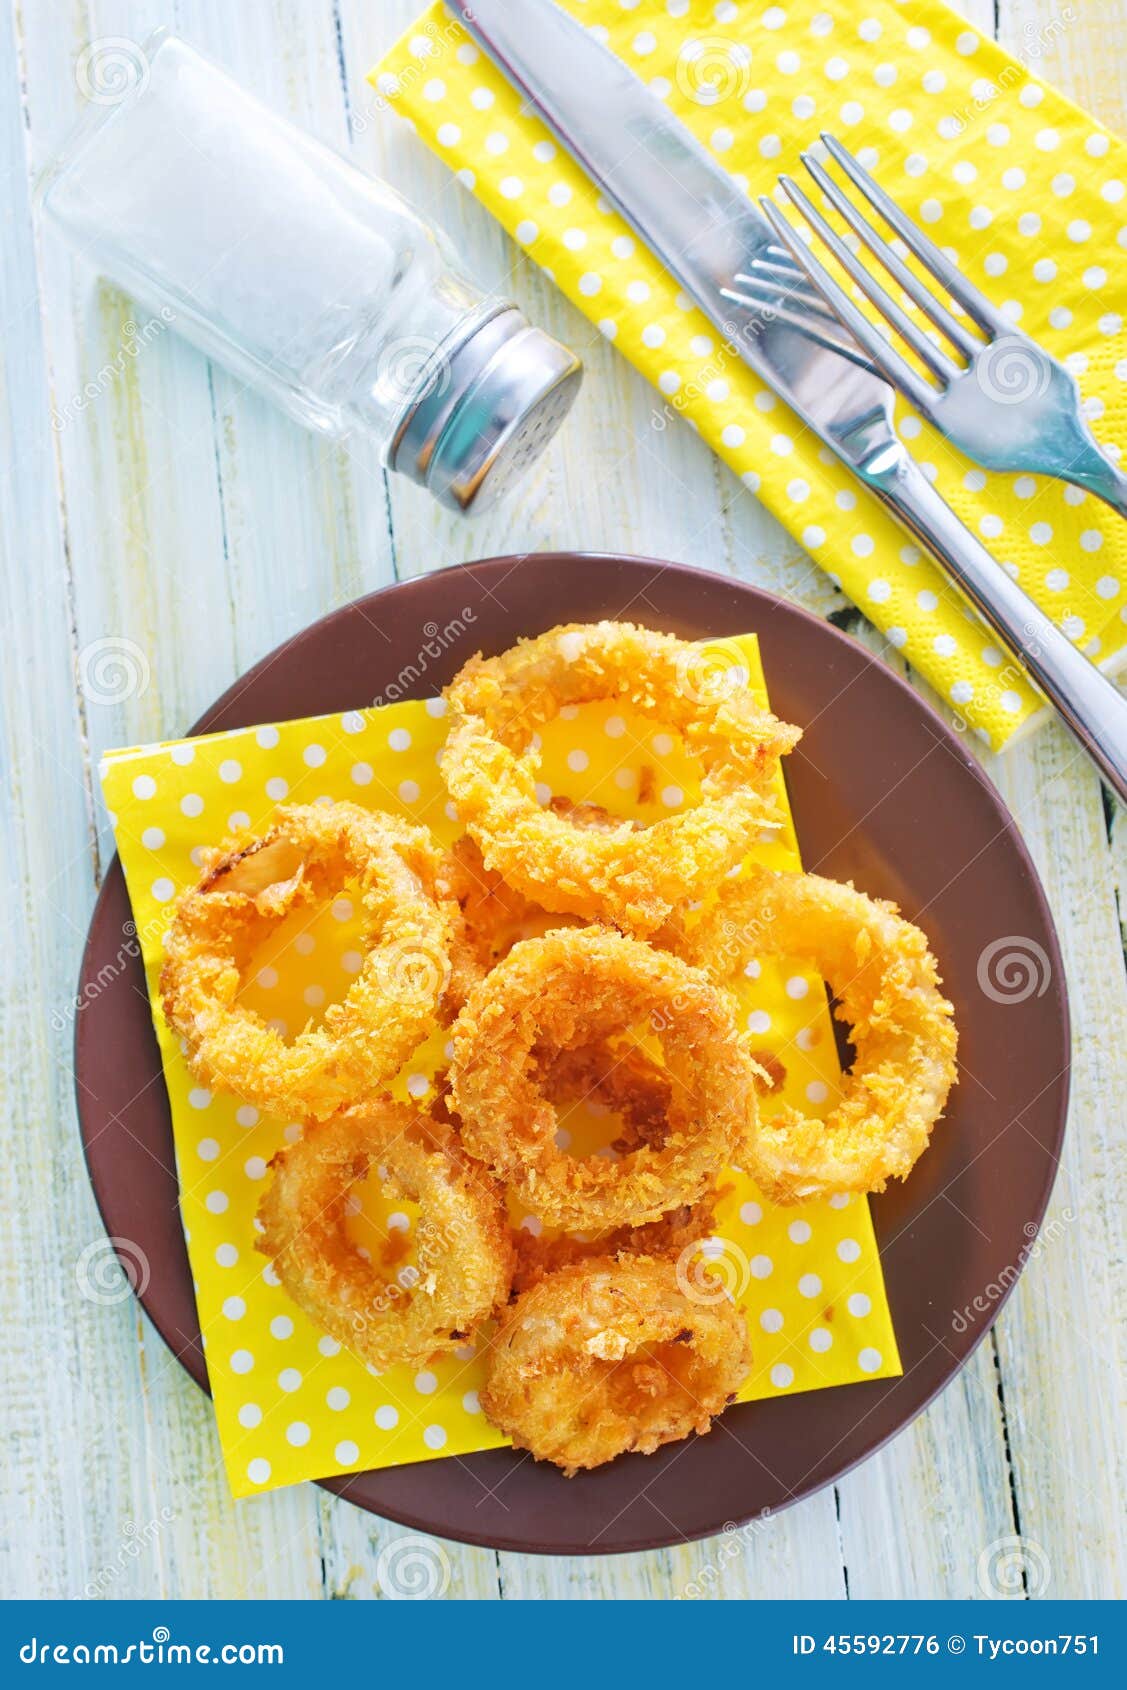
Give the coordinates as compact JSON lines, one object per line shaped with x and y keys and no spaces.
{"x":1026,"y":190}
{"x":290,"y":1403}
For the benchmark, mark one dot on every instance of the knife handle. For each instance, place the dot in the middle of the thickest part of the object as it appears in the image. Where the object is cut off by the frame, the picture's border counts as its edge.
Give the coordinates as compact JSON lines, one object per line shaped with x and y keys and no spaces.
{"x":1090,"y":704}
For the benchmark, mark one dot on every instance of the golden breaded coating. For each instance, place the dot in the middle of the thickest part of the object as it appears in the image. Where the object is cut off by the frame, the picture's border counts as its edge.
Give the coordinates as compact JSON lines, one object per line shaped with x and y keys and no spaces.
{"x":611,"y":1355}
{"x":465,"y":1259}
{"x":251,"y":883}
{"x":618,"y":874}
{"x":884,"y":977}
{"x":625,"y":1081}
{"x":578,"y":986}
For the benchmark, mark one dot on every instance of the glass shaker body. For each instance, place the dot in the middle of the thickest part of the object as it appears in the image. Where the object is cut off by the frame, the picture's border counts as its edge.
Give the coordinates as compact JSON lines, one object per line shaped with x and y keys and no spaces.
{"x":311,"y":279}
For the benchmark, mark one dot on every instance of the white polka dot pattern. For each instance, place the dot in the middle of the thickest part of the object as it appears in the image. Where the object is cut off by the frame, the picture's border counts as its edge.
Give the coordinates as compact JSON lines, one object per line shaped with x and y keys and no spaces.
{"x":291,"y":1403}
{"x":968,"y":141}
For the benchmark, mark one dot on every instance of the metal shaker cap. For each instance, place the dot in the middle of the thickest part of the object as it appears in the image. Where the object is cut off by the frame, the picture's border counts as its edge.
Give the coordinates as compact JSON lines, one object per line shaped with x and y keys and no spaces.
{"x":488,"y":409}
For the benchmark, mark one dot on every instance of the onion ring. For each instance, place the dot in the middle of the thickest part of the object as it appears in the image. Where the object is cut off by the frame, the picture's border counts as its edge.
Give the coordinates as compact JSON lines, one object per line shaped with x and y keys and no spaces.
{"x":630,"y":878}
{"x":572,"y":987}
{"x":882,"y":973}
{"x":495,"y":915}
{"x":464,"y":1252}
{"x":249,"y":885}
{"x":681,"y":1229}
{"x":639,"y":1091}
{"x":621,"y":1078}
{"x":611,"y":1355}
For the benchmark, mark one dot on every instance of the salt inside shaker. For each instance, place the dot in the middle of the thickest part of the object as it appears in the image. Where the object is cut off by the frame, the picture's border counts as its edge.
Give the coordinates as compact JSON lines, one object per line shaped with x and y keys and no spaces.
{"x":311,"y":279}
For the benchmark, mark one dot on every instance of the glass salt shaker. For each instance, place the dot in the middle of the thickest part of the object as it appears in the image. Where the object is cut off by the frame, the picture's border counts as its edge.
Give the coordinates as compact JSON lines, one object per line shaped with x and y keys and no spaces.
{"x":309,"y":278}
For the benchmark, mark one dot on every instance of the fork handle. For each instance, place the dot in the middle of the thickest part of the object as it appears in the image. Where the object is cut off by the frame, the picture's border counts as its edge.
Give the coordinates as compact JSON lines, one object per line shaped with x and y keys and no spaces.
{"x":1100,"y":476}
{"x":1090,"y":704}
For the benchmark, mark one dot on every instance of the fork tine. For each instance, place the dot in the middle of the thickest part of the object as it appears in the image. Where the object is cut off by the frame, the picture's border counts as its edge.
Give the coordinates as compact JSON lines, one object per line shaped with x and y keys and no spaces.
{"x":912,"y":286}
{"x":782,"y":265}
{"x":833,"y":337}
{"x":937,"y":362}
{"x":984,"y":312}
{"x":788,"y":280}
{"x":891,"y":363}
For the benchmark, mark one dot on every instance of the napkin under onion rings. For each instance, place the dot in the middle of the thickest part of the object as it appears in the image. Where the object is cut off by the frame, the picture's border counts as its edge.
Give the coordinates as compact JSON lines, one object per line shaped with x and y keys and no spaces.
{"x":464,"y":1264}
{"x":309,"y":854}
{"x":572,"y":987}
{"x":611,"y":1355}
{"x":630,"y":877}
{"x":884,"y":977}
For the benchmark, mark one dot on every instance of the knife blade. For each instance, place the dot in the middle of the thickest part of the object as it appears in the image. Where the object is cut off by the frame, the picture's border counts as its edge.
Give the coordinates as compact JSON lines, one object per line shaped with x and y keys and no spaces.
{"x":685,"y":207}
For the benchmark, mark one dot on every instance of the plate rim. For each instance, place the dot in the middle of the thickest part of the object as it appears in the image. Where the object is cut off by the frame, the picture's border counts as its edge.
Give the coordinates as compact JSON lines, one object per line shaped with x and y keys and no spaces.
{"x":113,"y":886}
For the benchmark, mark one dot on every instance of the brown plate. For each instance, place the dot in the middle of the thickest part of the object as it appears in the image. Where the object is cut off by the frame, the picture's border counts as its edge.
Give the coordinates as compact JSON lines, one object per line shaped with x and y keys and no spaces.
{"x":883,"y":793}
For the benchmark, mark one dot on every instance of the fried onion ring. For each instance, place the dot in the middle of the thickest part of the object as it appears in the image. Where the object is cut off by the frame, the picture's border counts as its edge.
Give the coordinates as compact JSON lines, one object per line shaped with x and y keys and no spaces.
{"x":621,"y":1078}
{"x":638,"y":1091}
{"x":628,"y":877}
{"x":464,"y":1263}
{"x":495,"y":915}
{"x":611,"y":1355}
{"x":572,"y":987}
{"x":250,"y":884}
{"x":681,"y":1229}
{"x":883,"y":975}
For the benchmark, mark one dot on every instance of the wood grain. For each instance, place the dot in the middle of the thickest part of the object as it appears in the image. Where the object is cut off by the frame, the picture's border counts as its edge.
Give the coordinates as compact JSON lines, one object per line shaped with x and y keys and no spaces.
{"x":185,"y":522}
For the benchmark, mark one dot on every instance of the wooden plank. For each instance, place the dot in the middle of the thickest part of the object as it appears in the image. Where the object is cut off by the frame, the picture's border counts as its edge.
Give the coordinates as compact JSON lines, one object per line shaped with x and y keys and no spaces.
{"x":150,"y":585}
{"x":47,"y":857}
{"x":1061,"y":1368}
{"x":1061,"y":1364}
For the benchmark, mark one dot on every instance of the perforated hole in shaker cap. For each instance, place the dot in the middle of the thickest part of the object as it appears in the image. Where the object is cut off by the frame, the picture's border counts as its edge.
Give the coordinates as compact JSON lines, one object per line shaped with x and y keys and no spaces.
{"x":525,"y":442}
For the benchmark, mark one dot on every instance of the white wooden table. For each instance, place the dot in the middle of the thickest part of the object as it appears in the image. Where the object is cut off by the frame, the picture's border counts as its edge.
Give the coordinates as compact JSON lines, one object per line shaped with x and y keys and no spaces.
{"x":187,"y":522}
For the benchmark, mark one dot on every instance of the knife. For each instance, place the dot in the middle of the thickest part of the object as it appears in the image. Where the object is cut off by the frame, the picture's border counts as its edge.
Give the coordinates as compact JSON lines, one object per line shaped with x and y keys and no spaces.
{"x":708,"y":234}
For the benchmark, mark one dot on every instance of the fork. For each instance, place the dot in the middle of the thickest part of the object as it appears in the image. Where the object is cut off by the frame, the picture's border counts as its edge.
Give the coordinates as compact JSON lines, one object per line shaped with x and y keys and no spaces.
{"x":1009,"y":406}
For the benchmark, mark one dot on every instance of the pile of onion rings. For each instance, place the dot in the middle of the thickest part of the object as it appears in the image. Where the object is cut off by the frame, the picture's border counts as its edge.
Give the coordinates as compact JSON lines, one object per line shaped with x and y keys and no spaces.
{"x":580,"y":957}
